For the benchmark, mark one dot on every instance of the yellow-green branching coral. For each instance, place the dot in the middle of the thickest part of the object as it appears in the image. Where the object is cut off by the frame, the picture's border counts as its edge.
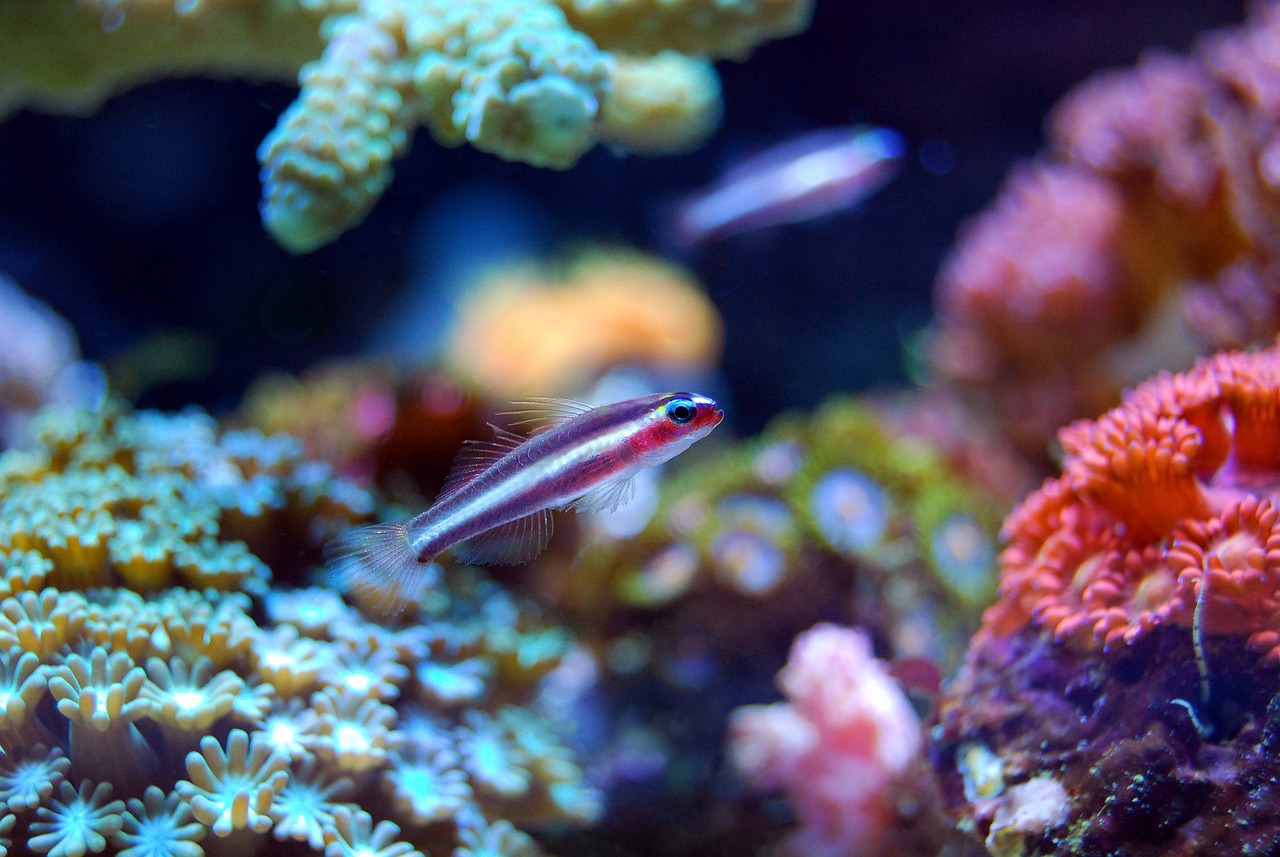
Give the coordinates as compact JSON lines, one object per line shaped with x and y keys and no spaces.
{"x":535,"y":81}
{"x":717,"y":28}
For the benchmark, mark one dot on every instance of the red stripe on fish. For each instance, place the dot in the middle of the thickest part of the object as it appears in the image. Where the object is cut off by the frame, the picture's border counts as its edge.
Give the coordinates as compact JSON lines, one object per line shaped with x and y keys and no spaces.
{"x":495,"y":507}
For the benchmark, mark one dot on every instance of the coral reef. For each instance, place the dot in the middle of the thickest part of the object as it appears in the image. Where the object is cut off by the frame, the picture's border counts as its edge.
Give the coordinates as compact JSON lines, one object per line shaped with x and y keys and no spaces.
{"x":1146,"y":235}
{"x":845,"y":748}
{"x":690,"y":605}
{"x":1118,"y":696}
{"x":163,"y":692}
{"x":815,"y":504}
{"x":607,"y":308}
{"x":536,"y":81}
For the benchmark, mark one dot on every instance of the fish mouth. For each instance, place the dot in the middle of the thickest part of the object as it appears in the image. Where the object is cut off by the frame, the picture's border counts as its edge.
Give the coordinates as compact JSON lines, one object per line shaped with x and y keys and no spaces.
{"x":716,"y":416}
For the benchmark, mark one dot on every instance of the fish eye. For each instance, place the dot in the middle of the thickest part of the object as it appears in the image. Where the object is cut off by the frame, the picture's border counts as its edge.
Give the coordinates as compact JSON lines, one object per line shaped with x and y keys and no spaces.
{"x":681,"y":411}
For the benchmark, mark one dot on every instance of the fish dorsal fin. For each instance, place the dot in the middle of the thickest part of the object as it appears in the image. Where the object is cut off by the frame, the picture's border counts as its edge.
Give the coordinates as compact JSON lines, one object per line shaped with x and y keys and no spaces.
{"x":604,"y":498}
{"x":510,"y":544}
{"x":544,"y":412}
{"x":477,"y":456}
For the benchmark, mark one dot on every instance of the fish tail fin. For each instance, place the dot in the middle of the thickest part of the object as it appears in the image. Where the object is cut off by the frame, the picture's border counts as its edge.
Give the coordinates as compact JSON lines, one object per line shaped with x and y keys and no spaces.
{"x":377,"y":566}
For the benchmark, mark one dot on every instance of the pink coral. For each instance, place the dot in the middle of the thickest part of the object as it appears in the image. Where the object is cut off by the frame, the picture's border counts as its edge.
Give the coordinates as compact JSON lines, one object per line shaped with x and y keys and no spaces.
{"x":838,"y":747}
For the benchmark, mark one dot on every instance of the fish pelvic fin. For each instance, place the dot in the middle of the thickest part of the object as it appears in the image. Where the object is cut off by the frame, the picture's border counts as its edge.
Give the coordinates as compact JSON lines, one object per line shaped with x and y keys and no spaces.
{"x":510,"y":544}
{"x":604,"y":498}
{"x":377,"y":566}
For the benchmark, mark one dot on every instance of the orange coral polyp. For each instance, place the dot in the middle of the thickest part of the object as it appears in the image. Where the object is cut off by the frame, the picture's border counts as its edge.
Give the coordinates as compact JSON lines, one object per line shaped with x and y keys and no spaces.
{"x":1195,"y":397}
{"x":1164,"y":504}
{"x":1238,"y":552}
{"x":1053,"y":587}
{"x":1140,"y":468}
{"x":1255,"y":452}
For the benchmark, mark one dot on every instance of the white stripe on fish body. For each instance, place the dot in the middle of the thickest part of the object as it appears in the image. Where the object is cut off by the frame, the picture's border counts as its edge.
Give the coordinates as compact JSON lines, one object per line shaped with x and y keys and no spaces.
{"x":495,"y":507}
{"x":525,"y":480}
{"x":799,"y":180}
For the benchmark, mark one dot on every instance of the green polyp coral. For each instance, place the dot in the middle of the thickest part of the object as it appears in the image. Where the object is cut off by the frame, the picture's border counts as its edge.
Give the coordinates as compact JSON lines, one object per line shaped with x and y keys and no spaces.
{"x":536,"y":81}
{"x":150,"y":501}
{"x":217,"y":712}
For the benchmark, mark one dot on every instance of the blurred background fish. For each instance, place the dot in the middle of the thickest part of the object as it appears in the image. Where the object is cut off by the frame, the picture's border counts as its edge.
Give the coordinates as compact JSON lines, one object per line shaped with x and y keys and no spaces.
{"x":801,"y":179}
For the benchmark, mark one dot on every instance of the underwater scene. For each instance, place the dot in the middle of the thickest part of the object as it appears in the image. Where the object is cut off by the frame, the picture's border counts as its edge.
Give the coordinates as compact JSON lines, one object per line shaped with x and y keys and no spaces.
{"x":639,"y":428}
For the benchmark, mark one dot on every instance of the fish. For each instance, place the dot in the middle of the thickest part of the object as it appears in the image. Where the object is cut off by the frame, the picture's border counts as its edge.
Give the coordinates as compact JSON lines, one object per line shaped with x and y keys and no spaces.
{"x":495,"y":506}
{"x":801,"y":179}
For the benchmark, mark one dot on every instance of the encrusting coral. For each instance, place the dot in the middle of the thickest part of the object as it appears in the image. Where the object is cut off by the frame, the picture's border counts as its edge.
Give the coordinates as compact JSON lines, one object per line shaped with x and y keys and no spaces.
{"x":214,"y":707}
{"x":538,"y":81}
{"x":1119,"y":698}
{"x":1146,"y":235}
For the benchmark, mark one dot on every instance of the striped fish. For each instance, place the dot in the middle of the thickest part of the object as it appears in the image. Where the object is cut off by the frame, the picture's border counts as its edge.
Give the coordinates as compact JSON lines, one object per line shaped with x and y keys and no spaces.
{"x":802,"y":179}
{"x":495,"y":507}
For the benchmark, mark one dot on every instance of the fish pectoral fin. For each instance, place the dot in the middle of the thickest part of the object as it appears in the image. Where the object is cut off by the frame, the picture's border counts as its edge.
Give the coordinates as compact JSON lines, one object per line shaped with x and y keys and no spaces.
{"x":540,"y":413}
{"x":378,"y":565}
{"x":604,"y":498}
{"x":510,"y":544}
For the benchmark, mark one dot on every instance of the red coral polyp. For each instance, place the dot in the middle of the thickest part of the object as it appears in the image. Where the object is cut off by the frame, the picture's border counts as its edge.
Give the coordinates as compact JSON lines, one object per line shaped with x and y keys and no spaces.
{"x":1164,"y":512}
{"x":1140,"y":468}
{"x":1238,"y":552}
{"x":1251,"y":390}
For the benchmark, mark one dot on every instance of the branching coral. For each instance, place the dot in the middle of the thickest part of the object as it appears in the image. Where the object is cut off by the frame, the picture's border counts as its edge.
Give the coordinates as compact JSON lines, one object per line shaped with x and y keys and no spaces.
{"x":1151,"y":217}
{"x":1124,"y":675}
{"x":529,"y":80}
